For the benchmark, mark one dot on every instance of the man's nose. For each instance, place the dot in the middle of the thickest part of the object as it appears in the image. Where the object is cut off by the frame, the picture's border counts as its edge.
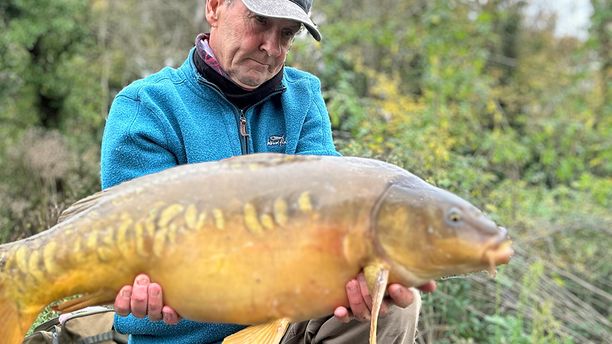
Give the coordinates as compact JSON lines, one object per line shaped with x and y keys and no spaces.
{"x":272,"y":43}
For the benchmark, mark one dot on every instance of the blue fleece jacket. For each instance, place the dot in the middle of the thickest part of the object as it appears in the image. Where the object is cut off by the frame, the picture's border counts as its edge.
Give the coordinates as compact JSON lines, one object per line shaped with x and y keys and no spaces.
{"x":177,"y":117}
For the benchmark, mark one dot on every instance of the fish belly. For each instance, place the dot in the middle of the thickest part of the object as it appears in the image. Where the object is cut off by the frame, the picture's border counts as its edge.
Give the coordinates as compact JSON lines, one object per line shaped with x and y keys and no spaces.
{"x":296,"y":273}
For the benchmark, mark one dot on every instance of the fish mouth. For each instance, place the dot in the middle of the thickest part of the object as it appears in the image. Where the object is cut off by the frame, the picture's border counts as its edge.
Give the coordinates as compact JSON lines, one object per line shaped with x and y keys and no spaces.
{"x":497,"y":251}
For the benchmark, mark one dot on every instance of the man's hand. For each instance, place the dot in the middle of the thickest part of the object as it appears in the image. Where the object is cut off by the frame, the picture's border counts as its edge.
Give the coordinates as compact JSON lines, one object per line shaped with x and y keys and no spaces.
{"x":360,"y":300}
{"x":144,"y":299}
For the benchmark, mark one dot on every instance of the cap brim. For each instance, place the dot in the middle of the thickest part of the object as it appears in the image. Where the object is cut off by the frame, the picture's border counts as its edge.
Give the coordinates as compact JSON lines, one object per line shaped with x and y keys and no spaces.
{"x":284,"y":10}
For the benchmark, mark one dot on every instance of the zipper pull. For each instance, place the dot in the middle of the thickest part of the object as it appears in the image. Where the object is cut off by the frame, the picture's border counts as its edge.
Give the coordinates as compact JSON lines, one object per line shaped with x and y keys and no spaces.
{"x":243,"y":128}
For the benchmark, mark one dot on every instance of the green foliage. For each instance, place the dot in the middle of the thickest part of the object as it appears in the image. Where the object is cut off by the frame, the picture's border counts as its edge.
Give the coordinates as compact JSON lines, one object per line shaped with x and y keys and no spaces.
{"x":471,"y":95}
{"x":50,"y":112}
{"x":46,"y":175}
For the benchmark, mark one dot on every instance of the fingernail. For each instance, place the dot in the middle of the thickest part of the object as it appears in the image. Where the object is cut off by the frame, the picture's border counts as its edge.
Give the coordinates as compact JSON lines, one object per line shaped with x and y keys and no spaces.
{"x":141,"y":281}
{"x":126,"y":293}
{"x":395,"y":289}
{"x":168,"y":318}
{"x":156,"y":292}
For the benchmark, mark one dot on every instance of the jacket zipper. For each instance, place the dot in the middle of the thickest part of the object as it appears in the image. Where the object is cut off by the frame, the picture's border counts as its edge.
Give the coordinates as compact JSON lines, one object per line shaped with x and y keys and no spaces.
{"x":244,"y":133}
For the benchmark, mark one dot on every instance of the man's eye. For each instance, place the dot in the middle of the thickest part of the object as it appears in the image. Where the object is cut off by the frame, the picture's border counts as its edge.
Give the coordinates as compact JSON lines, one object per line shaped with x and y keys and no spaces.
{"x":288,"y":34}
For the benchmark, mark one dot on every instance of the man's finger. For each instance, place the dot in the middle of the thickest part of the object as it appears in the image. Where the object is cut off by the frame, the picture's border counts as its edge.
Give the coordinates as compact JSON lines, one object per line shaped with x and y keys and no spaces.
{"x":122,"y":301}
{"x":342,"y":314}
{"x":170,"y":316}
{"x":428,"y":287}
{"x":365,"y":291}
{"x":154,"y":310}
{"x":400,"y":295}
{"x":140,"y":296}
{"x":384,"y":308}
{"x":357,"y":304}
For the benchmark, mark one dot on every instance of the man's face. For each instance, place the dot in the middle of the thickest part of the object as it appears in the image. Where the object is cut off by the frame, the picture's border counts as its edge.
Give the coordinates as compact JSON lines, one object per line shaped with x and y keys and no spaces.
{"x":250,"y":48}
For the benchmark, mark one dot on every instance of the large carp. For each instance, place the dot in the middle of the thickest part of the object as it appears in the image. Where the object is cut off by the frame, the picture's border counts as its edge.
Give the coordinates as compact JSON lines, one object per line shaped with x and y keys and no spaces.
{"x":267,"y":239}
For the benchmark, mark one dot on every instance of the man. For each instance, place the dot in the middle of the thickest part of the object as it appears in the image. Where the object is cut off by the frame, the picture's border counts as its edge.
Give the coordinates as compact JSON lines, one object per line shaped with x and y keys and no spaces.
{"x":233,"y":95}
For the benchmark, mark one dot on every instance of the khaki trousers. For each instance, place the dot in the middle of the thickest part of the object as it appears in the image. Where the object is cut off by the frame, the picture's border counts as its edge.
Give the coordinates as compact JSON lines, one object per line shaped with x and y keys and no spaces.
{"x":397,"y":327}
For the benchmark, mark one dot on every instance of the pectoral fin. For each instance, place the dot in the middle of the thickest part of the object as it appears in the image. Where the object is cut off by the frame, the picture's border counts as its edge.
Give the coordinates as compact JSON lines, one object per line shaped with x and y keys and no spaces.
{"x":268,"y":333}
{"x":101,"y":297}
{"x":377,"y":277}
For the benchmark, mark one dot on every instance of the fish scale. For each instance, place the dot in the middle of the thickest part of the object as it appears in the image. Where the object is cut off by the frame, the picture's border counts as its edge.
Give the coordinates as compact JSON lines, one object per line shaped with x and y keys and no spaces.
{"x":266,"y":238}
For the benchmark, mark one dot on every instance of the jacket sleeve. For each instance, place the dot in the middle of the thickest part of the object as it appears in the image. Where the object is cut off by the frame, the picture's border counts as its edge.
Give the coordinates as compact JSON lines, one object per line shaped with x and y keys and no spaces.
{"x":135,"y":143}
{"x":316,"y":135}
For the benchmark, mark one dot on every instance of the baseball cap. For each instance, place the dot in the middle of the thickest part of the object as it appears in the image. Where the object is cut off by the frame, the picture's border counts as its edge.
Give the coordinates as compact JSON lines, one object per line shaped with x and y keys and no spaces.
{"x":298,"y":10}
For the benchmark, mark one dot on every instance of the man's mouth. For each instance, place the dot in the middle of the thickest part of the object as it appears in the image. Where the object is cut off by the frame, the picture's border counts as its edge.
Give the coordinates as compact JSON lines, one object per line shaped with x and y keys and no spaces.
{"x":261,"y":63}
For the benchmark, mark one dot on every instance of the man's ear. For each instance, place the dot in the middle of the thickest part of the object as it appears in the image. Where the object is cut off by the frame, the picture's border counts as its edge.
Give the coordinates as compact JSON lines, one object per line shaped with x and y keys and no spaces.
{"x":212,"y":8}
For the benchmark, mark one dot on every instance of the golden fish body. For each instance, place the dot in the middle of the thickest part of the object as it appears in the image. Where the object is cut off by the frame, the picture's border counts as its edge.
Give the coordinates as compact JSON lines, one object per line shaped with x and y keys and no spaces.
{"x":263,"y":237}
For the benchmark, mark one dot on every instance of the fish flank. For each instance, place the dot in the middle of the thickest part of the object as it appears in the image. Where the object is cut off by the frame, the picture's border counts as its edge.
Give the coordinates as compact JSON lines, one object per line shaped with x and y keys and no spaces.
{"x":108,"y":236}
{"x":106,"y":254}
{"x":34,"y":267}
{"x":149,"y":226}
{"x":201,"y":221}
{"x":219,"y":218}
{"x":173,"y":231}
{"x":124,"y":239}
{"x":159,"y":242}
{"x":267,"y":221}
{"x":139,"y":238}
{"x":22,"y":258}
{"x":169,"y":213}
{"x":281,"y":212}
{"x":49,"y":258}
{"x":106,"y":249}
{"x":191,"y":217}
{"x":250,"y":219}
{"x":76,"y":256}
{"x":305,"y":202}
{"x":91,"y":241}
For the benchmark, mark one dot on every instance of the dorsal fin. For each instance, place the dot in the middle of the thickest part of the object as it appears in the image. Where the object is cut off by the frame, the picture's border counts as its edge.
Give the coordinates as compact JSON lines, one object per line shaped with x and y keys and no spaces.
{"x":81,"y":205}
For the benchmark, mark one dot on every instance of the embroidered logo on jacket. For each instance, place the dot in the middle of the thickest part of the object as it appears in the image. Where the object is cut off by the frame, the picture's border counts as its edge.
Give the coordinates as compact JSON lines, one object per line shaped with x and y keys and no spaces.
{"x":276,"y":140}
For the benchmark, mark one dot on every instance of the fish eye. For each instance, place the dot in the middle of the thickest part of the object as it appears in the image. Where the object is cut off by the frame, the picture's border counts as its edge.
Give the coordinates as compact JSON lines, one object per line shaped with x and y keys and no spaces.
{"x":453,"y":217}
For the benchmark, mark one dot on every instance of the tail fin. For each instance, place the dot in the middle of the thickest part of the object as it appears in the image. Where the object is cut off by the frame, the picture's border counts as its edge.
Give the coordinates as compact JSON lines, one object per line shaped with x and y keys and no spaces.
{"x":14,"y":320}
{"x":14,"y":324}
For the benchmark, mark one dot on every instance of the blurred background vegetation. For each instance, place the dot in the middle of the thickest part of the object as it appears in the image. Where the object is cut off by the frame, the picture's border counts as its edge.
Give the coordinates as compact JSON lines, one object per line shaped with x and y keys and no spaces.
{"x":483,"y":98}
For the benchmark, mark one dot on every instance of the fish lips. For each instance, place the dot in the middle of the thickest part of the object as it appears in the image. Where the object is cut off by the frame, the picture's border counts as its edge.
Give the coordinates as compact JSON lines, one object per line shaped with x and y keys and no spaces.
{"x":499,"y":250}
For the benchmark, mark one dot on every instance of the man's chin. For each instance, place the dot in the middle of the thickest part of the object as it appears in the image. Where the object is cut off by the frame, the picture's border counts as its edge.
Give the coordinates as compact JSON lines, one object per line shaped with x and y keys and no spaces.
{"x":249,"y":84}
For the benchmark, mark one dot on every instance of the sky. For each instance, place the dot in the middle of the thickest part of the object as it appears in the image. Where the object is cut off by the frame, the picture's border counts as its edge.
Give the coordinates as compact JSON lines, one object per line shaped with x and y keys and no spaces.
{"x":572,"y":15}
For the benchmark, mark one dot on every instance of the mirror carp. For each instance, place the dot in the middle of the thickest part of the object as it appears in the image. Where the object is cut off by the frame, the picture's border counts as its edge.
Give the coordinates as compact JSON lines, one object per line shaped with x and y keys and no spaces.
{"x":275,"y":237}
